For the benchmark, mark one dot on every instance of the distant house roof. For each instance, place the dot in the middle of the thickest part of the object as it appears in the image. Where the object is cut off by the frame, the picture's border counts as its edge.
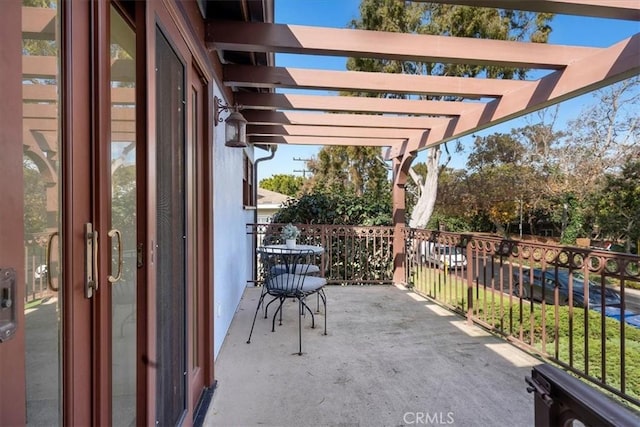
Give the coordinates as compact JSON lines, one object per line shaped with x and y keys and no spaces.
{"x":271,"y":199}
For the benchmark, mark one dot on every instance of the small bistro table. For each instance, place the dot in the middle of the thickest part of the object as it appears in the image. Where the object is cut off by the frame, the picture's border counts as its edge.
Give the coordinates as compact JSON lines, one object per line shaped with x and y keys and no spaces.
{"x":317,"y":250}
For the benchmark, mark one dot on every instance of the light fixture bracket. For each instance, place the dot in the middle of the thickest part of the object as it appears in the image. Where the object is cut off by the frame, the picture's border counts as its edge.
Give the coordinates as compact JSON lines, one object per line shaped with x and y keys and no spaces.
{"x":218,"y":107}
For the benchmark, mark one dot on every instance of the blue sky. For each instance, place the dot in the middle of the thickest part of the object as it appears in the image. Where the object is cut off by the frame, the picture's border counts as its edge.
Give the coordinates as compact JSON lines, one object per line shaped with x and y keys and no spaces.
{"x":570,"y":30}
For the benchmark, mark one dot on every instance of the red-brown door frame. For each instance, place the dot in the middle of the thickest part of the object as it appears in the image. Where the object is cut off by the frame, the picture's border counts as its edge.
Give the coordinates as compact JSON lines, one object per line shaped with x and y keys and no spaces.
{"x":143,"y":367}
{"x":76,"y":209}
{"x":196,"y":126}
{"x":12,"y":351}
{"x":101,"y":207}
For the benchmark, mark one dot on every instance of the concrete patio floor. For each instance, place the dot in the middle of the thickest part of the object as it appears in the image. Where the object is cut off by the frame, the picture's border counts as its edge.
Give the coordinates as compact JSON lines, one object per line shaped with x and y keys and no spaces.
{"x":390,"y":358}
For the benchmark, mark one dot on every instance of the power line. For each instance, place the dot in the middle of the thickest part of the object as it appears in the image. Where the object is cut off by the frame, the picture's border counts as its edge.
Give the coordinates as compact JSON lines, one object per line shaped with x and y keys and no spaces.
{"x":303,"y":171}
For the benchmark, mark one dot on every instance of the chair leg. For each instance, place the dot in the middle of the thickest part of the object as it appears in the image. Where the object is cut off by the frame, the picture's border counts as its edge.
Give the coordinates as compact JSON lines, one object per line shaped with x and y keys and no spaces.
{"x":313,"y":318}
{"x":260,"y":301}
{"x":279,"y":309}
{"x":266,"y":308}
{"x":322,"y":295}
{"x":300,"y":326}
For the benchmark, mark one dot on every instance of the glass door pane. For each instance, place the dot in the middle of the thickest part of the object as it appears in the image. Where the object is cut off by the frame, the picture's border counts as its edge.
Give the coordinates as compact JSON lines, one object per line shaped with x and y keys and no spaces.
{"x":42,"y":191}
{"x":123,"y":220}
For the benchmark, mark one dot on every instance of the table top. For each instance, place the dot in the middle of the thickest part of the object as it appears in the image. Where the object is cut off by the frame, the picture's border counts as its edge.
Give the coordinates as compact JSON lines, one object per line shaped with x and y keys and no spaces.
{"x":317,"y":250}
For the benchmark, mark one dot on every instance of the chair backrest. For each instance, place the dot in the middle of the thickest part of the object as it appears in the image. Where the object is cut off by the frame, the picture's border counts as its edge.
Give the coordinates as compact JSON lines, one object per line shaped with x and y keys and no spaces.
{"x":284,"y":269}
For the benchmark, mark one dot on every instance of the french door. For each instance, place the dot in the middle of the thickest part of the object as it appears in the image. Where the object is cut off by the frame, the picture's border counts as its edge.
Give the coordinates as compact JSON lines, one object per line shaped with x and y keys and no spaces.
{"x":104,"y":220}
{"x":69,"y":251}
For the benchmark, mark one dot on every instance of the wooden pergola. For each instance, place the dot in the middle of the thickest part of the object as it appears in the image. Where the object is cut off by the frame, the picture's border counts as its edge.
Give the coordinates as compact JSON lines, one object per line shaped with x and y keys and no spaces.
{"x":247,"y":40}
{"x":407,"y":125}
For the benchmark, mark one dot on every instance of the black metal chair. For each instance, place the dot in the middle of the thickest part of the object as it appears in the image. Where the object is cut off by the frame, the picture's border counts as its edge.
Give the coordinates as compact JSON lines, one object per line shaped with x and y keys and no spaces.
{"x":286,"y":276}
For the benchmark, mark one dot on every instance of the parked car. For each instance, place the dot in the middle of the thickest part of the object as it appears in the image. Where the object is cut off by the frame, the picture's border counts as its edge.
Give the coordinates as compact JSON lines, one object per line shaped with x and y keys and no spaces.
{"x":443,"y":256}
{"x":633,"y":249}
{"x":544,"y":283}
{"x":630,"y":317}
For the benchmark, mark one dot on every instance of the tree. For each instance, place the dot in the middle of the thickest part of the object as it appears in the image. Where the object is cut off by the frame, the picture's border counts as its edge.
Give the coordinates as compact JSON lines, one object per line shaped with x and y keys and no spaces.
{"x":571,"y":164}
{"x":618,"y":207}
{"x":499,"y":178}
{"x":356,"y":170}
{"x":284,"y":184}
{"x":451,"y":20}
{"x":600,"y":138}
{"x":343,"y":208}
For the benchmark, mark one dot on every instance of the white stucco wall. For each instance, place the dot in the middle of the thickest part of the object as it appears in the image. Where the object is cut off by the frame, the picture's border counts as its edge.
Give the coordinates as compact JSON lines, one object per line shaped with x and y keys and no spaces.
{"x":231,"y":266}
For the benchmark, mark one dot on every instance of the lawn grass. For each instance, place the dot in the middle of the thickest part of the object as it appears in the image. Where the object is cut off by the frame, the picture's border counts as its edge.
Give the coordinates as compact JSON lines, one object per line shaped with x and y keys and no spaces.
{"x":33,"y":304}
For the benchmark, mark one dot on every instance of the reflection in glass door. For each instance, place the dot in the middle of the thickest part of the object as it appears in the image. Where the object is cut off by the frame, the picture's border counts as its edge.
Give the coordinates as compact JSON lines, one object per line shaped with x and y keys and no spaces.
{"x":42,"y":191}
{"x":123,"y":221}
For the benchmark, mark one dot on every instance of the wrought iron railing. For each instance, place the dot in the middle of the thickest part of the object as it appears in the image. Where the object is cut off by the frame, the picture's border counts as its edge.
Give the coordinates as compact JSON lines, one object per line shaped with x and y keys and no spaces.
{"x":573,"y":306}
{"x":533,"y":294}
{"x":352,"y":255}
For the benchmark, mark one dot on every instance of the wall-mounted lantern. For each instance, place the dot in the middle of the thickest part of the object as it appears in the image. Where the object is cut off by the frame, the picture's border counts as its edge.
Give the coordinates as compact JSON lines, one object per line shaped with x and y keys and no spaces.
{"x":235,"y":124}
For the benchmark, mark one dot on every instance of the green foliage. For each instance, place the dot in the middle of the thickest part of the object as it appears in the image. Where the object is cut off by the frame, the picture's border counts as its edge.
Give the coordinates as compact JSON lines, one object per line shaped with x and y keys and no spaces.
{"x":335,"y":208}
{"x":498,"y":178}
{"x":35,"y":200}
{"x":571,"y":219}
{"x":283,"y":184}
{"x":450,"y":223}
{"x":351,"y":170}
{"x":123,"y":198}
{"x":618,"y":205}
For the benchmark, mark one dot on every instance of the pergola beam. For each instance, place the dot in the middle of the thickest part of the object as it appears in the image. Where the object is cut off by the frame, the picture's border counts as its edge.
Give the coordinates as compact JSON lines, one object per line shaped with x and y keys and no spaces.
{"x":322,"y":131}
{"x":360,"y":81}
{"x":353,"y":120}
{"x":354,"y":104}
{"x":323,"y":140}
{"x":264,"y":37}
{"x":38,"y":23}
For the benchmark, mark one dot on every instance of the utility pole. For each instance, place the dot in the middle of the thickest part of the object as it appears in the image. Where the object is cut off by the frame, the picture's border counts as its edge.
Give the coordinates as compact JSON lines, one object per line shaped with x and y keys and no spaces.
{"x":303,"y":171}
{"x":521,"y":201}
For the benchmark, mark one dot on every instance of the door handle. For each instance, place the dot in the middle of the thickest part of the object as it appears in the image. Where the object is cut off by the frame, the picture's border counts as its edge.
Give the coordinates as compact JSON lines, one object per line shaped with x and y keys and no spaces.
{"x":90,"y":260}
{"x":48,"y":261}
{"x":117,"y":233}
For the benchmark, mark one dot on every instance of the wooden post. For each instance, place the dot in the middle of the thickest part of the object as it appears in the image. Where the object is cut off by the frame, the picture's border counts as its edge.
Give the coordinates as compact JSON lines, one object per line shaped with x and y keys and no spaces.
{"x":400,"y":173}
